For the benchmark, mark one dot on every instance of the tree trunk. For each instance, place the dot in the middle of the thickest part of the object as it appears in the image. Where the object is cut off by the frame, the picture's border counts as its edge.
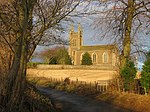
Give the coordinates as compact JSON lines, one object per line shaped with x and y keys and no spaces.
{"x":16,"y":81}
{"x":19,"y":87}
{"x":127,"y":35}
{"x":17,"y":76}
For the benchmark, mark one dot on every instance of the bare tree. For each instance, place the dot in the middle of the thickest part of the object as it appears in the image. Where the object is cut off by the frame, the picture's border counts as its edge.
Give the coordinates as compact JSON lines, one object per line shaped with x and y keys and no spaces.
{"x":125,"y":20}
{"x":24,"y":23}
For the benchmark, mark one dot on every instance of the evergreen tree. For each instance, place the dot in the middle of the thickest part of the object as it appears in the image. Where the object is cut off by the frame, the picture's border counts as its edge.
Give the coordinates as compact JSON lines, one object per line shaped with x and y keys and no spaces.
{"x":86,"y":59}
{"x":145,"y":77}
{"x":128,"y":74}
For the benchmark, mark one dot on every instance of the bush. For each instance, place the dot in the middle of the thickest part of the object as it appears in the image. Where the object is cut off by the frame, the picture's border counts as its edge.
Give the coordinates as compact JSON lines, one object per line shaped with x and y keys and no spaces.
{"x":145,"y":78}
{"x":86,"y":59}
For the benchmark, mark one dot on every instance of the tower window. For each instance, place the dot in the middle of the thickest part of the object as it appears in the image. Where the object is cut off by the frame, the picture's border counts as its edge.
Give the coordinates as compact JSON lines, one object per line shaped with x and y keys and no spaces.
{"x":74,"y":42}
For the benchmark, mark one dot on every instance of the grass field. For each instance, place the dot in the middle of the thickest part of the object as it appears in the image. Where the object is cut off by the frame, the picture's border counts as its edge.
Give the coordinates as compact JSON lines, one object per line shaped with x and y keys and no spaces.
{"x":73,"y":74}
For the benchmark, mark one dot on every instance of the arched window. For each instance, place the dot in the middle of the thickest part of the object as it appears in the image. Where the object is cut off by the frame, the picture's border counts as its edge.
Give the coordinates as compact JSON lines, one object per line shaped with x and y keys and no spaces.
{"x":105,"y":57}
{"x":81,"y":56}
{"x":94,"y":58}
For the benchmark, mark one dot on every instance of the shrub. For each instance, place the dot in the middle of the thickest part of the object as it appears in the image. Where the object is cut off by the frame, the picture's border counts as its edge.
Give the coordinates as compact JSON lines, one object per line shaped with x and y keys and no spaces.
{"x":86,"y":59}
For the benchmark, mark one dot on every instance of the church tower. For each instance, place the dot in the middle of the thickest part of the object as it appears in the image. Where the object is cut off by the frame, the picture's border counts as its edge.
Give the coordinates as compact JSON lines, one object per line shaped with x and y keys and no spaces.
{"x":75,"y":40}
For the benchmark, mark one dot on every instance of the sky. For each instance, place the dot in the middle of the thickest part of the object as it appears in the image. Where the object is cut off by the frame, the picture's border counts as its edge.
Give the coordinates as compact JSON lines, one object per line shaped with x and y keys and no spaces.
{"x":91,"y":36}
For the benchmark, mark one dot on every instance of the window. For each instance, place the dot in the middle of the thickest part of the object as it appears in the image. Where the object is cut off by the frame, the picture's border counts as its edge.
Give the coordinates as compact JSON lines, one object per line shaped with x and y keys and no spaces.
{"x":105,"y":57}
{"x":81,"y":56}
{"x":74,"y":42}
{"x":94,"y":58}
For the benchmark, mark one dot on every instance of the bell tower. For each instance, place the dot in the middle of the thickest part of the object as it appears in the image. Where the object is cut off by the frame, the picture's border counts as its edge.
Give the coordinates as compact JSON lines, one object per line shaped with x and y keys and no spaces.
{"x":75,"y":40}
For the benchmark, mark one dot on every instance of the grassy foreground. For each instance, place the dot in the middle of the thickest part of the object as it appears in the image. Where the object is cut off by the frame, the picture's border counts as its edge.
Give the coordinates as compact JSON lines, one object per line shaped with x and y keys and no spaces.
{"x":133,"y":102}
{"x":36,"y":102}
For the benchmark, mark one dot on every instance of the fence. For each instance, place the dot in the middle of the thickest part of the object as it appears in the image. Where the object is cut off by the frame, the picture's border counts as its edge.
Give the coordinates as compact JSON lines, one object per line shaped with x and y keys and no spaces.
{"x":99,"y":85}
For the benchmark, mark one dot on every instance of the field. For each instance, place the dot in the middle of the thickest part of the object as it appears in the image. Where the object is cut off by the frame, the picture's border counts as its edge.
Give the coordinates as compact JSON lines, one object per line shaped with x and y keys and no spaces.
{"x":73,"y":74}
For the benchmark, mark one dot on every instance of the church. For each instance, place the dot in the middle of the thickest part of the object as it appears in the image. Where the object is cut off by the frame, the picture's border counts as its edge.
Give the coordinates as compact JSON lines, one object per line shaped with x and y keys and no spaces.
{"x":102,"y":55}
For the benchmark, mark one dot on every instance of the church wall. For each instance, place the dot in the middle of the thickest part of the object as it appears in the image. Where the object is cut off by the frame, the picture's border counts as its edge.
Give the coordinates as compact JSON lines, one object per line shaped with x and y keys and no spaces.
{"x":99,"y":56}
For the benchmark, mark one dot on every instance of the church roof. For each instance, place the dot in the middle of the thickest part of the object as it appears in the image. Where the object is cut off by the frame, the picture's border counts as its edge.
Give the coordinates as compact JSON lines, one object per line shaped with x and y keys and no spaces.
{"x":97,"y":47}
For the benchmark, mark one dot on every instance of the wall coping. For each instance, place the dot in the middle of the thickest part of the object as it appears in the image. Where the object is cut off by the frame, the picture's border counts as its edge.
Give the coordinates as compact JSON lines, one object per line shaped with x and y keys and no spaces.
{"x":88,"y":67}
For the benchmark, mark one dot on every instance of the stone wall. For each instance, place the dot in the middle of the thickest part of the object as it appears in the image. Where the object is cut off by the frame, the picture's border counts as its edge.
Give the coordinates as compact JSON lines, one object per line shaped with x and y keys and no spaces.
{"x":93,"y":67}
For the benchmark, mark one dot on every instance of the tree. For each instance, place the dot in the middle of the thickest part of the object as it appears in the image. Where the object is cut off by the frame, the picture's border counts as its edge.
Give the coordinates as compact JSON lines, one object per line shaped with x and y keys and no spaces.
{"x":56,"y":55}
{"x":27,"y":23}
{"x":123,"y":19}
{"x":145,"y":77}
{"x":49,"y":55}
{"x":128,"y":74}
{"x":86,"y":59}
{"x":63,"y":57}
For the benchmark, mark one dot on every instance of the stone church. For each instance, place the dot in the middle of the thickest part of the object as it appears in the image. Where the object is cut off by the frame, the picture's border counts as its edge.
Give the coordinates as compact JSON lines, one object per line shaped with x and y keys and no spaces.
{"x":103,"y":55}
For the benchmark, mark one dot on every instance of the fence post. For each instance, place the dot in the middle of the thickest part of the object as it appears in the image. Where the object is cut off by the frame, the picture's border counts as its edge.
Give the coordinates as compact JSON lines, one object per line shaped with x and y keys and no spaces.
{"x":106,"y":86}
{"x":96,"y":85}
{"x":103,"y":86}
{"x":99,"y":88}
{"x":61,"y":79}
{"x":85,"y":83}
{"x":90,"y":86}
{"x":77,"y":80}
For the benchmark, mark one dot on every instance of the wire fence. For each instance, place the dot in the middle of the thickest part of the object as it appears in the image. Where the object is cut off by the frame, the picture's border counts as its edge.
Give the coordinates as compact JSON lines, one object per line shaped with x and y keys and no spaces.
{"x":99,"y":85}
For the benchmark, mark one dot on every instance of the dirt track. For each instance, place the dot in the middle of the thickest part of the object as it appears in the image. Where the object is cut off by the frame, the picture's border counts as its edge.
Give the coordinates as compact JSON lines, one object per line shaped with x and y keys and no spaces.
{"x":73,"y":74}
